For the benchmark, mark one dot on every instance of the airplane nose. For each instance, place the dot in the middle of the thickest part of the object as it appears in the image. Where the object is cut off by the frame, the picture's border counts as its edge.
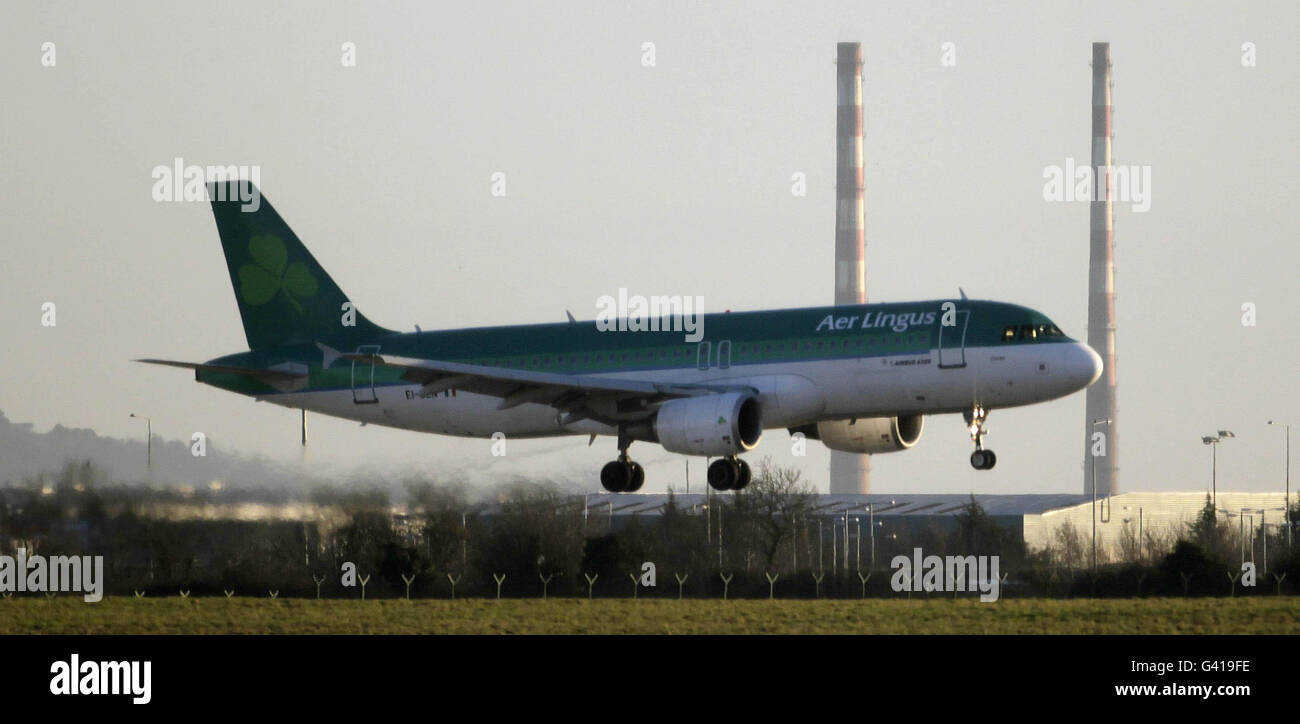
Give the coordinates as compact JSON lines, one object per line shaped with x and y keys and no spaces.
{"x":1086,"y":363}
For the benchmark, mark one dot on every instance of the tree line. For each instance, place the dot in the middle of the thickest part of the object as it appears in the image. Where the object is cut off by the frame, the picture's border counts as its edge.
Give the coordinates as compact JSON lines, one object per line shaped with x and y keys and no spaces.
{"x":437,"y":535}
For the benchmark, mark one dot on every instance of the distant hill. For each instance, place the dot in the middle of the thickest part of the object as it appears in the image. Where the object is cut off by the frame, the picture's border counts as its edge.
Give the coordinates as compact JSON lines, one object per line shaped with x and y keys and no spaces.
{"x":25,"y":453}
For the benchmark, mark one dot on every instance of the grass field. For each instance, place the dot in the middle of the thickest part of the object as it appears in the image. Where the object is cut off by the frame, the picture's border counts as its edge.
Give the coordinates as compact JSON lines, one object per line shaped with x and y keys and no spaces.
{"x":66,"y":615}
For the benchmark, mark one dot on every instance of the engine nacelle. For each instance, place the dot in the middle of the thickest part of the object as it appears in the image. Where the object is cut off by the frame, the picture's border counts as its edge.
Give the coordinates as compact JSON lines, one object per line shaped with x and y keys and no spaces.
{"x":871,"y":434}
{"x":714,"y":425}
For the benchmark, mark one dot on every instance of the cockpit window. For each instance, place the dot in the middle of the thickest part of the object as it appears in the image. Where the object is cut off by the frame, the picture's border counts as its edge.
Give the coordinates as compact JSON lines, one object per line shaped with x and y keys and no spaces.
{"x":1030,"y":332}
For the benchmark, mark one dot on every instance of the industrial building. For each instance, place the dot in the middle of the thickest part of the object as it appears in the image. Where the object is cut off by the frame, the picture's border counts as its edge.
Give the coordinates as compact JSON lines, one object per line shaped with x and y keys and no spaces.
{"x":1040,"y":520}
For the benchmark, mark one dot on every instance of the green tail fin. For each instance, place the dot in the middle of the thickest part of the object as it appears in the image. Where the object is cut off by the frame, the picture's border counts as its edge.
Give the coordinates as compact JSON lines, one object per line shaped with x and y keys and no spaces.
{"x":284,"y":295}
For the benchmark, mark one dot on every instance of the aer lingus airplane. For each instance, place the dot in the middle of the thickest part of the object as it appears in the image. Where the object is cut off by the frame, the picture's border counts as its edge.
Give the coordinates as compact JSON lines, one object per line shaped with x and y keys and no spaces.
{"x":860,"y":378}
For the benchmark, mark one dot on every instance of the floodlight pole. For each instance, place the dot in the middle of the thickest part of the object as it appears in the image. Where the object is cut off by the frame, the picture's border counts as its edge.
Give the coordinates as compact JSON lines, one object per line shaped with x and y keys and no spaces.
{"x":1140,"y":558}
{"x":1252,"y":534}
{"x":1214,"y":475}
{"x":1286,"y":506}
{"x":1093,"y":464}
{"x":1241,"y":533}
{"x":719,"y":536}
{"x":871,"y":511}
{"x":857,"y":545}
{"x":1263,"y":528}
{"x":794,"y":543}
{"x":846,"y":541}
{"x":148,"y":446}
{"x":821,"y":546}
{"x":1213,"y":441}
{"x":708,"y":517}
{"x":464,"y":541}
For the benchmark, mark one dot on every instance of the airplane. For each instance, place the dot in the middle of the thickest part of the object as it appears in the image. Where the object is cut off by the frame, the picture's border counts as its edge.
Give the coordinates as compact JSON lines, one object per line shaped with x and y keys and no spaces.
{"x":859,"y":378}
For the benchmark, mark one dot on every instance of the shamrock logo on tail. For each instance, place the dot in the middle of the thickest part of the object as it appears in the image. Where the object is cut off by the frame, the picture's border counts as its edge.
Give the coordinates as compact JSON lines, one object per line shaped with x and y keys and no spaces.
{"x":270,"y":274}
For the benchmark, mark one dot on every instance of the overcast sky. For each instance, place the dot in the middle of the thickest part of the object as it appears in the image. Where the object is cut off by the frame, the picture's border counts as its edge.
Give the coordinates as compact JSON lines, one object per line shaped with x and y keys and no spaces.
{"x":666,"y":179}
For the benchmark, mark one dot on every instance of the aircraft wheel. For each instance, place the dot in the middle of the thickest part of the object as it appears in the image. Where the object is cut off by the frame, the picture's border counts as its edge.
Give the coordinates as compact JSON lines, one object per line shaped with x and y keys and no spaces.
{"x":723,"y":474}
{"x":636,"y":479}
{"x":745,"y":475}
{"x":616,"y":476}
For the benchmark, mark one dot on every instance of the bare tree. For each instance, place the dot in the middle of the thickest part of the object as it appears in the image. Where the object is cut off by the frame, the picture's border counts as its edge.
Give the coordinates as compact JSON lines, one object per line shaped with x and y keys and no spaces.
{"x":1130,"y":546}
{"x":1069,"y":550}
{"x":771,"y":504}
{"x":442,"y":510}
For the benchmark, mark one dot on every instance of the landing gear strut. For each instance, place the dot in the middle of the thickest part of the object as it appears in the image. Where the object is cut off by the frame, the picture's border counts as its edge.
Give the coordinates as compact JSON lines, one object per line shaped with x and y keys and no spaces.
{"x":729,"y":473}
{"x":981,"y":459}
{"x":622,"y":475}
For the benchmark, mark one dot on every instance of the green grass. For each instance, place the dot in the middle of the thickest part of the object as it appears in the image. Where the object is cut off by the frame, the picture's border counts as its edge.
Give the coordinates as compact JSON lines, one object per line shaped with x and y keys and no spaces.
{"x":68,"y":615}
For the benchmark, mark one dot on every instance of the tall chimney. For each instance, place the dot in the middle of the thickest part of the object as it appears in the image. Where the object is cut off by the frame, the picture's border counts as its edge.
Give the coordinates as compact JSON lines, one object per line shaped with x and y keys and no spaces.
{"x":1101,"y":286}
{"x":850,"y":472}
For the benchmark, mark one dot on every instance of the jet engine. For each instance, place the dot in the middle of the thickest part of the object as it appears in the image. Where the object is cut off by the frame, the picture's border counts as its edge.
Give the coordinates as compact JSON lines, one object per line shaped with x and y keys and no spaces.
{"x":869,"y":434}
{"x":715,"y":425}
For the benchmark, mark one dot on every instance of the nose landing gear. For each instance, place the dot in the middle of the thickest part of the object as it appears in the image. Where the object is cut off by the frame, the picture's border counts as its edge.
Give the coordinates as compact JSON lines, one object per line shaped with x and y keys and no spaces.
{"x":981,"y":459}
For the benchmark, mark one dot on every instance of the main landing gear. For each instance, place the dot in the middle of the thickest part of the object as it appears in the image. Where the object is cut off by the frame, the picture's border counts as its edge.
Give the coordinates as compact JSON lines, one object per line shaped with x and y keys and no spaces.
{"x":625,"y":476}
{"x":622,"y":475}
{"x":981,"y":459}
{"x":729,"y":473}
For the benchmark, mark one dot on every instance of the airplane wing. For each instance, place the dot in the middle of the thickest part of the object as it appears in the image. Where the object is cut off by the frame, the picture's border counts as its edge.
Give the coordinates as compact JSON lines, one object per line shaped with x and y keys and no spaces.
{"x":578,"y":397}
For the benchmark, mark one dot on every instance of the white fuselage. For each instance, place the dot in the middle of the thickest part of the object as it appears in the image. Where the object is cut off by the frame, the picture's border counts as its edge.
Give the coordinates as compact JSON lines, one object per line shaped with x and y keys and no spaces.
{"x":791,"y":393}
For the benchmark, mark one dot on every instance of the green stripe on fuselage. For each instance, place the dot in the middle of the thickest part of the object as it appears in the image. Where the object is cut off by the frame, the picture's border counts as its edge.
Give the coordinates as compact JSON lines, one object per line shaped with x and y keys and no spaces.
{"x":765,"y":337}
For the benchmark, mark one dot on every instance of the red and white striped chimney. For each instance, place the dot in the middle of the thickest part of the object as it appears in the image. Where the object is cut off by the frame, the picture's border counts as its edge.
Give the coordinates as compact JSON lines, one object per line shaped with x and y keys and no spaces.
{"x":1101,"y":285}
{"x":850,"y":472}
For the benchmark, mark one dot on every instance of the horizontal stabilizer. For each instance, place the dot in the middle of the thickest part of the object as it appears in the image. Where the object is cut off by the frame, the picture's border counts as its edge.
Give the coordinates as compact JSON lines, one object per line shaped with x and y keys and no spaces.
{"x":264,"y":374}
